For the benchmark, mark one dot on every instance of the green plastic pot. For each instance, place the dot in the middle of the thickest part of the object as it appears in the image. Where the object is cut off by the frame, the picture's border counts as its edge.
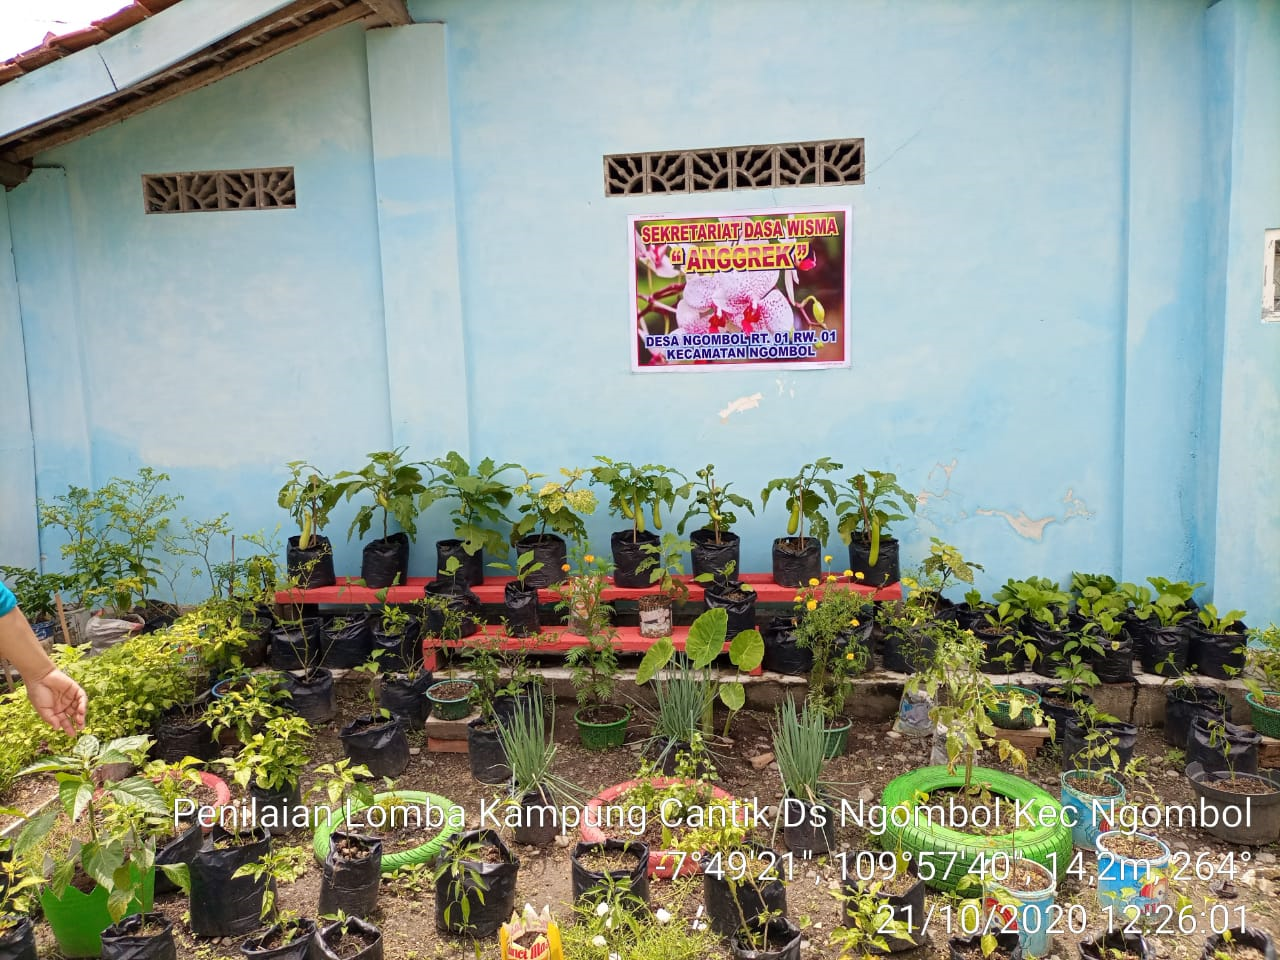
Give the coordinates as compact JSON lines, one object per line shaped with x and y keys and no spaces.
{"x":77,"y":919}
{"x":449,"y":709}
{"x":837,"y":741}
{"x":602,"y":736}
{"x":1025,"y":720}
{"x":1266,"y":720}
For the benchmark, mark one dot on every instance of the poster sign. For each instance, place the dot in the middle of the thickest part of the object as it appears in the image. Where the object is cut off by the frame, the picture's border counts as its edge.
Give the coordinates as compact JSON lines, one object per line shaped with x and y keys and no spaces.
{"x":741,"y":289}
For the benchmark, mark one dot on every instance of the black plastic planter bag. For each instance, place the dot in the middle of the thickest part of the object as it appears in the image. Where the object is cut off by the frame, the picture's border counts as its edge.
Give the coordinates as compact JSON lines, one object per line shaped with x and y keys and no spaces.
{"x":1115,"y":663}
{"x":329,"y":943}
{"x":222,"y":904}
{"x":470,"y":565}
{"x":181,"y":849}
{"x":628,"y":555}
{"x":177,"y":738}
{"x":1260,"y":940}
{"x":461,"y":600}
{"x":548,"y":550}
{"x":401,"y":651}
{"x":808,"y":829}
{"x":298,"y":948}
{"x":963,"y":948}
{"x":19,"y":942}
{"x":495,"y":882}
{"x":884,"y":571}
{"x":1163,"y":643}
{"x":539,"y":820}
{"x":713,"y":558}
{"x":1125,"y":943}
{"x":351,"y":885}
{"x":1236,"y":748}
{"x":782,"y":943}
{"x":381,"y":745}
{"x":347,"y":641}
{"x":405,"y":697}
{"x":385,"y":563}
{"x":258,"y":623}
{"x":739,"y":604}
{"x":276,"y":809}
{"x":484,"y":752}
{"x":995,"y":646}
{"x":520,"y":610}
{"x":294,"y":645}
{"x":1219,"y":655}
{"x":1122,"y":737}
{"x":794,"y":563}
{"x":1184,"y":704}
{"x":907,"y":651}
{"x":1050,"y":645}
{"x":781,"y":655}
{"x":590,"y":885}
{"x":729,"y":903}
{"x":312,"y":567}
{"x":122,"y":941}
{"x":1058,"y":710}
{"x":311,"y":696}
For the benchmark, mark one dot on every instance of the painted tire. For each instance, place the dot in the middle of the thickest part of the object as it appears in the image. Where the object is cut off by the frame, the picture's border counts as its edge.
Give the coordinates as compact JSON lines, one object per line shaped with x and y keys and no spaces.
{"x":452,"y":817}
{"x":1048,"y":845}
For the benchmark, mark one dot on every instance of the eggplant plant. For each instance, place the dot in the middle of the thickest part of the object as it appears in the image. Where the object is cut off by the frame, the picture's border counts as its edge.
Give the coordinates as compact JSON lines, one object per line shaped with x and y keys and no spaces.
{"x":634,"y":489}
{"x":478,"y":497}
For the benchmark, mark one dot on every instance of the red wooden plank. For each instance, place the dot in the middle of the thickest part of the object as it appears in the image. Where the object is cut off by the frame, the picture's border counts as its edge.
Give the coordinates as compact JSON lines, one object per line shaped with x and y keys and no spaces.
{"x":348,"y":592}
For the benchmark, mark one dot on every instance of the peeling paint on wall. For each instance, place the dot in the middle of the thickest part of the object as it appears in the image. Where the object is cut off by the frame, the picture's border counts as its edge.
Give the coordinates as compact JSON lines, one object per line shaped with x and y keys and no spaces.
{"x":740,"y":405}
{"x":1030,"y":529}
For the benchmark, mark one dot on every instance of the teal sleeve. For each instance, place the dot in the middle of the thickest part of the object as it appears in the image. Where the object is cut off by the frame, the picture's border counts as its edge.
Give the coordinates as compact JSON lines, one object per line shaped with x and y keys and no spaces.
{"x":7,"y":602}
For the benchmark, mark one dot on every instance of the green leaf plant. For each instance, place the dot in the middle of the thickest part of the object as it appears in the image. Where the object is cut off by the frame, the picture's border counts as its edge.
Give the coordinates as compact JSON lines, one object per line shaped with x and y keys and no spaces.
{"x":478,"y":497}
{"x":634,"y":489}
{"x":309,"y":497}
{"x":867,"y":504}
{"x":808,"y":495}
{"x":556,"y":507}
{"x":712,"y":501}
{"x":395,"y":487}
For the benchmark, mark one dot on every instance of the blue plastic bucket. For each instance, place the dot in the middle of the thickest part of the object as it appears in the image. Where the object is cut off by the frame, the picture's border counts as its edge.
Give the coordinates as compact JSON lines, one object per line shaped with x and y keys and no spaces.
{"x":1088,"y":815}
{"x":1127,"y":886}
{"x":1026,"y":912}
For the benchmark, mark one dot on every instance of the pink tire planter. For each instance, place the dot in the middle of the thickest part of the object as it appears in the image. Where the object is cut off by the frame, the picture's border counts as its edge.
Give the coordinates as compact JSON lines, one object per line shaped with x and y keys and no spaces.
{"x":662,"y":863}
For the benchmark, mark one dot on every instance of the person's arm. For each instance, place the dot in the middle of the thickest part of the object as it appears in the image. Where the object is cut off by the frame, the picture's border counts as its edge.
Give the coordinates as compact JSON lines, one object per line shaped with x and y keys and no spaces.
{"x":56,"y":697}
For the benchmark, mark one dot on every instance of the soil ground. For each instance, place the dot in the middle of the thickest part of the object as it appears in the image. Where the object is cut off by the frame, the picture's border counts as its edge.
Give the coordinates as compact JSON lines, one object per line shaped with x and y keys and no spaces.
{"x":876,"y":755}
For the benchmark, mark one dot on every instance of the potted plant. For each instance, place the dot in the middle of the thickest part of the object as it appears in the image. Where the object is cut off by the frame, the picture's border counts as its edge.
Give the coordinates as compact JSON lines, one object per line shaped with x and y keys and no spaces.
{"x":799,"y":746}
{"x":797,"y":558}
{"x":593,"y":666}
{"x":767,"y":938}
{"x":475,"y":879}
{"x":1020,"y":895}
{"x":21,"y":878}
{"x":269,"y":767}
{"x":549,"y":516}
{"x":715,"y":545}
{"x":1133,"y":873}
{"x":478,"y":497}
{"x":348,"y":938}
{"x":610,"y":869}
{"x":740,"y":887}
{"x":111,"y":853}
{"x":36,"y":594}
{"x":352,"y":874}
{"x":869,"y":924}
{"x":1218,"y":646}
{"x":834,"y":626}
{"x":665,"y":569}
{"x":1263,"y":688}
{"x":520,"y":596}
{"x":376,"y":739}
{"x":309,"y":497}
{"x":283,"y":934}
{"x":535,"y":790}
{"x":633,"y":490}
{"x":145,"y":935}
{"x":395,"y":487}
{"x":867,"y":503}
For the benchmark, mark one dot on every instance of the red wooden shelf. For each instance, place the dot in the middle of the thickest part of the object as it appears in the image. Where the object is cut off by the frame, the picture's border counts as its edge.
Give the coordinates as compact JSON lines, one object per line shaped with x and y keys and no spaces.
{"x":553,"y":640}
{"x":349,"y":591}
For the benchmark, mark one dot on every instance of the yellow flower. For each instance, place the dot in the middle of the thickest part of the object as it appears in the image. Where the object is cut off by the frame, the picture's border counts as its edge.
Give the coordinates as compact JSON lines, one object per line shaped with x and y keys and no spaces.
{"x":811,"y":605}
{"x":827,"y":558}
{"x":860,"y":575}
{"x":589,"y":558}
{"x":848,"y":656}
{"x":855,"y":622}
{"x":848,"y":573}
{"x":813,"y":581}
{"x":565,"y":567}
{"x":831,"y":578}
{"x":798,"y":598}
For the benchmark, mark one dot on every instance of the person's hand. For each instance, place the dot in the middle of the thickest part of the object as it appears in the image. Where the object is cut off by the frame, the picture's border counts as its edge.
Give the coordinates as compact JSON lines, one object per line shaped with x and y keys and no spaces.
{"x":59,"y":701}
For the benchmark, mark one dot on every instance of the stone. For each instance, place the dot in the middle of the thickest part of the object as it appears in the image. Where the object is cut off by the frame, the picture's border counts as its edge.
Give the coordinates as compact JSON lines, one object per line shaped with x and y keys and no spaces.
{"x":761,"y":761}
{"x":866,"y":795}
{"x":414,"y":751}
{"x":1265,"y":857}
{"x":894,"y":735}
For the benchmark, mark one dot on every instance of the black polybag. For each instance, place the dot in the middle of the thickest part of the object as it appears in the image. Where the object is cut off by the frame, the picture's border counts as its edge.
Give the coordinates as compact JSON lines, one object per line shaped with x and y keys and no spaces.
{"x":347,"y":641}
{"x":326,"y":942}
{"x":121,"y":941}
{"x":401,"y":650}
{"x":628,"y":556}
{"x":741,"y":612}
{"x":520,"y":610}
{"x":595,"y":883}
{"x":19,"y":941}
{"x":796,"y":568}
{"x":178,"y":850}
{"x":312,"y":567}
{"x":178,"y":738}
{"x":1220,"y":655}
{"x":460,"y":600}
{"x":351,"y":885}
{"x":299,"y":948}
{"x":405,"y":696}
{"x":1236,"y":750}
{"x":385,"y":563}
{"x":222,"y":904}
{"x":311,"y":695}
{"x":495,"y":882}
{"x":296,"y":645}
{"x":781,"y":654}
{"x":711,"y":557}
{"x":380,"y":744}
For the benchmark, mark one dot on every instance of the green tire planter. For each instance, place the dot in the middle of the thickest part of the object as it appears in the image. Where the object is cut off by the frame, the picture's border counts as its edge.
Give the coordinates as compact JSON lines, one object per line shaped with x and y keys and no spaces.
{"x":602,"y":736}
{"x":77,"y":919}
{"x":934,"y":843}
{"x":449,"y":709}
{"x":1025,"y":720}
{"x":837,"y":742}
{"x":1266,"y":720}
{"x":451,"y":817}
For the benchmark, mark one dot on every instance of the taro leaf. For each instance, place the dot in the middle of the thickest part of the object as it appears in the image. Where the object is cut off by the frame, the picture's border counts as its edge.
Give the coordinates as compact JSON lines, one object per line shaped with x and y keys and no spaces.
{"x":746,"y":651}
{"x":655,"y":658}
{"x":706,"y":637}
{"x":734,"y":695}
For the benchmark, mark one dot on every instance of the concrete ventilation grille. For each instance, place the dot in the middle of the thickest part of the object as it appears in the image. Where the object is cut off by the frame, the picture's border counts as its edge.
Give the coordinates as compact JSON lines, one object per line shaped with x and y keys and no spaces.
{"x":817,"y":163}
{"x":266,"y":189}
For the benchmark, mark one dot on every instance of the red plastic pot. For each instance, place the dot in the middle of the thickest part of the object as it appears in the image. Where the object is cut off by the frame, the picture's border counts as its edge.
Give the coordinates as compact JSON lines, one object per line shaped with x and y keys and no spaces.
{"x":662,"y":863}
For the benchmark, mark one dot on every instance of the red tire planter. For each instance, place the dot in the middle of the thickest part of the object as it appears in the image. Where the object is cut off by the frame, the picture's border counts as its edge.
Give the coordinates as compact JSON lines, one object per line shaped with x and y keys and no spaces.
{"x":662,"y":863}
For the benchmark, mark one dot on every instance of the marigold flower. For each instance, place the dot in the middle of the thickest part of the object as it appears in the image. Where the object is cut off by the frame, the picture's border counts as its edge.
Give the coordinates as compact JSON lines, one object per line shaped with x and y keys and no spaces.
{"x":813,"y":581}
{"x":848,"y":656}
{"x":798,"y":598}
{"x":565,"y":567}
{"x":831,"y":578}
{"x":589,"y":558}
{"x":860,"y":575}
{"x":811,"y":605}
{"x":827,"y":558}
{"x":848,"y":573}
{"x":855,"y":622}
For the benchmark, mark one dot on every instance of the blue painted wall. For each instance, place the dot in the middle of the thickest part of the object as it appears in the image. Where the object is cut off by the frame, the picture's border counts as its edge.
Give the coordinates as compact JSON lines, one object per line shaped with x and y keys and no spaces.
{"x":1043,"y":298}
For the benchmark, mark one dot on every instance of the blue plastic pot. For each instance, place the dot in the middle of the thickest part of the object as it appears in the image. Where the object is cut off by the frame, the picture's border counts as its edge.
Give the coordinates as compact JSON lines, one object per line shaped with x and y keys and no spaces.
{"x":1026,"y":912}
{"x":1129,"y":887}
{"x":1088,"y":815}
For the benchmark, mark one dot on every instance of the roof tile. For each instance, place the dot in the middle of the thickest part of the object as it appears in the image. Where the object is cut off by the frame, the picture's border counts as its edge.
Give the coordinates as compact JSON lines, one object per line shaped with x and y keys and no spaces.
{"x":78,"y":39}
{"x":155,"y":6}
{"x":122,"y":19}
